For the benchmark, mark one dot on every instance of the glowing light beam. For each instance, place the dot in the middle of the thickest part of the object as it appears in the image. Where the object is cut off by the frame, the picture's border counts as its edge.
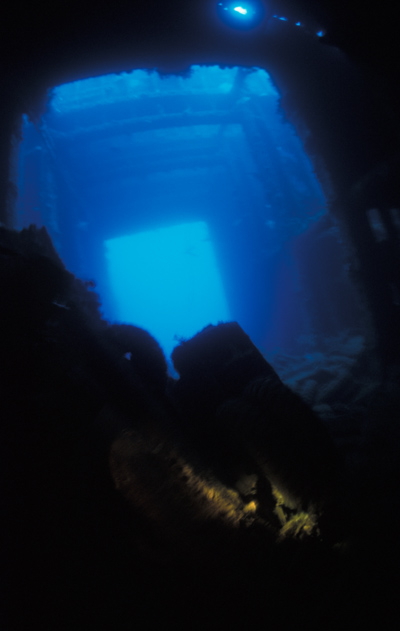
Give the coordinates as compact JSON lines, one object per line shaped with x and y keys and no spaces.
{"x":241,"y":10}
{"x":246,"y":15}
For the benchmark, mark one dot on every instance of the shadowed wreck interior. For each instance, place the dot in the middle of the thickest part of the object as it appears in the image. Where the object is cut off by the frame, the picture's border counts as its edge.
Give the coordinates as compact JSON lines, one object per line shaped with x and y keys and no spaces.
{"x":234,"y":484}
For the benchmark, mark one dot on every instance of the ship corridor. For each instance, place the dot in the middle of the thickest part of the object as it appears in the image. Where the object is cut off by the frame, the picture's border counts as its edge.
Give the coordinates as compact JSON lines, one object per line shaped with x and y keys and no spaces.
{"x":117,"y":167}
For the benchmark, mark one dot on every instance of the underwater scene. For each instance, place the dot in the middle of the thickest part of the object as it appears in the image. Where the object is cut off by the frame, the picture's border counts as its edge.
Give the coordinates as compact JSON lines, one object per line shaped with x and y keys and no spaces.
{"x":199,"y":331}
{"x":189,"y":200}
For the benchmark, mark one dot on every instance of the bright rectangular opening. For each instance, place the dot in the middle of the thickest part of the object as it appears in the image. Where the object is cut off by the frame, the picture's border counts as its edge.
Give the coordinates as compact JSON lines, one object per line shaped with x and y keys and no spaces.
{"x":167,"y":281}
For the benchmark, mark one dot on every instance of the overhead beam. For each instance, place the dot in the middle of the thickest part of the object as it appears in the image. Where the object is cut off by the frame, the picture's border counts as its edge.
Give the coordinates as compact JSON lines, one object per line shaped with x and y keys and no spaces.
{"x":146,"y":123}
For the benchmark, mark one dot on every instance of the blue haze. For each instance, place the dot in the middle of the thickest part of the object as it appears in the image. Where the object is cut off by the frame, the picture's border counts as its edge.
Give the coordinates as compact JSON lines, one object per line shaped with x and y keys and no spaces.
{"x":189,"y":200}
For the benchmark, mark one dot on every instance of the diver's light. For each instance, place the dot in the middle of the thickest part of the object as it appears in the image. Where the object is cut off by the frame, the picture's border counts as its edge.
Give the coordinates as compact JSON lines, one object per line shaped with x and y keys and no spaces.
{"x":245,"y":15}
{"x":240,"y":10}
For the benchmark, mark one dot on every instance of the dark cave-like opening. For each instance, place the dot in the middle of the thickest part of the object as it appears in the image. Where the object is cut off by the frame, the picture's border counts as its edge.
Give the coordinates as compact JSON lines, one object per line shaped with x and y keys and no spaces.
{"x":129,"y":156}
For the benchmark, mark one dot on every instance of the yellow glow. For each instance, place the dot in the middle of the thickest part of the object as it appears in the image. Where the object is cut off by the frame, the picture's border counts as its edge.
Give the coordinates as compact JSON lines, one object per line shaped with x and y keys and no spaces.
{"x":174,"y":497}
{"x":251,"y":507}
{"x":278,"y":496}
{"x":161,"y":484}
{"x":299,"y":526}
{"x":222,"y":501}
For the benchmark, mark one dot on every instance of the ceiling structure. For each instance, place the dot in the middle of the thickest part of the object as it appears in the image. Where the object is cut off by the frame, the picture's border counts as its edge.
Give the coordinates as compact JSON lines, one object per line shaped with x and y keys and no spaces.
{"x":127,"y":153}
{"x":346,"y":114}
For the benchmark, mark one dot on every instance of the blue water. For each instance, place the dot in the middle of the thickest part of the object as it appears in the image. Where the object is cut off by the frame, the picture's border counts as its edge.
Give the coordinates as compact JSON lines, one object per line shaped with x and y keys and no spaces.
{"x":178,"y":288}
{"x":189,"y":200}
